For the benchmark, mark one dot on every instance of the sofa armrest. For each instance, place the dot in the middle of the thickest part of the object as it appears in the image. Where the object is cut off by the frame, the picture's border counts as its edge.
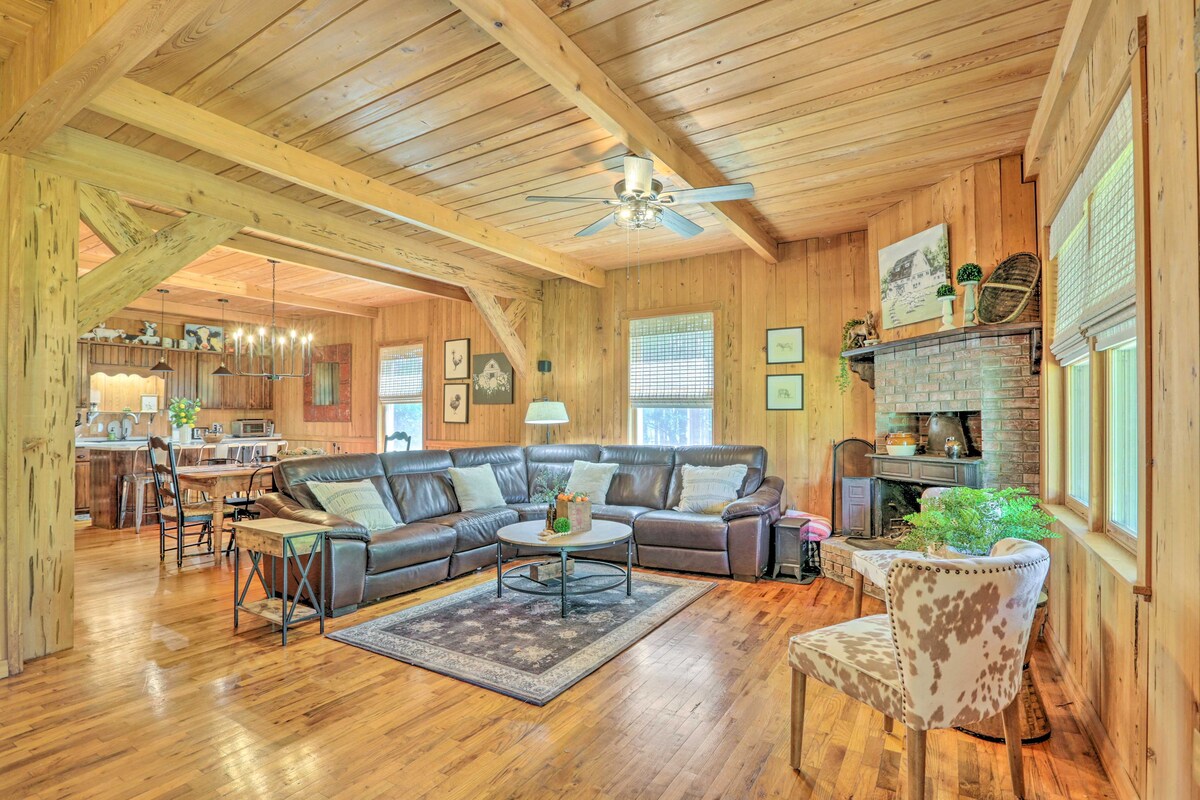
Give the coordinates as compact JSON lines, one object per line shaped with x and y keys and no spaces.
{"x":280,"y":505}
{"x":764,"y":501}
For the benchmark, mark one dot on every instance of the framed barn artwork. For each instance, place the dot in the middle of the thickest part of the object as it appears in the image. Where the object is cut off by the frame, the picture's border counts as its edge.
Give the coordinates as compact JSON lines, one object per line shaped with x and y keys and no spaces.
{"x":910,"y":271}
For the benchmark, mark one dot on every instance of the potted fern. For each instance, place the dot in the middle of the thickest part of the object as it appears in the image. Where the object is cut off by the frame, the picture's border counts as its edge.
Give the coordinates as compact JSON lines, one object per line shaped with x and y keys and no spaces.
{"x":969,"y":521}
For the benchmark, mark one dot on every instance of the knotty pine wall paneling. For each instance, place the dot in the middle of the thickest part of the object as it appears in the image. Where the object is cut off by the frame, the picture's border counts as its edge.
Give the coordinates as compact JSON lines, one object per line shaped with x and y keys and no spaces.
{"x":1132,"y":663}
{"x":991,"y":213}
{"x":819,"y":283}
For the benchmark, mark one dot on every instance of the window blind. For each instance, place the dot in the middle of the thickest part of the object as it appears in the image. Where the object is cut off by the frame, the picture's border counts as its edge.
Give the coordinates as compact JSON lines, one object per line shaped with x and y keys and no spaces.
{"x":401,"y":377}
{"x":671,"y":361}
{"x":1094,"y":241}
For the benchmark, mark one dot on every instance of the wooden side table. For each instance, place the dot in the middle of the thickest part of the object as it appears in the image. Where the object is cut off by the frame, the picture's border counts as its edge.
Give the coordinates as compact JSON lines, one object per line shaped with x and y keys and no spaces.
{"x":288,"y":541}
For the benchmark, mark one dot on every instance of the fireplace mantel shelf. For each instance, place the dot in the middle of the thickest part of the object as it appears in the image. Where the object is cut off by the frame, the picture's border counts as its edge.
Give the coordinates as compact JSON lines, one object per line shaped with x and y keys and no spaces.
{"x":862,"y":359}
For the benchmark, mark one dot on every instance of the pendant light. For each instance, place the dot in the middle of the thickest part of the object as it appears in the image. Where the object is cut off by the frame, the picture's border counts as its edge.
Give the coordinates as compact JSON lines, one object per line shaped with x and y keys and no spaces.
{"x":162,"y":365}
{"x":223,"y":371}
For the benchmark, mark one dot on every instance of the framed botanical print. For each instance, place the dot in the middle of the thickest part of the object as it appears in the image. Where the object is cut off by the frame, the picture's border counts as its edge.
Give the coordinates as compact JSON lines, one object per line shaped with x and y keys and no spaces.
{"x":458,"y":360}
{"x":785,"y":345}
{"x":785,"y":393}
{"x":456,"y":403}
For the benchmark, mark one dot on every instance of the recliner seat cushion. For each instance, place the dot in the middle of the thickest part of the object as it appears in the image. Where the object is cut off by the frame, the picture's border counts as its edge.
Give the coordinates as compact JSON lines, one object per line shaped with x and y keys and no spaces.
{"x":476,"y":528}
{"x":623,"y":514}
{"x":408,"y":545}
{"x":681,"y":529}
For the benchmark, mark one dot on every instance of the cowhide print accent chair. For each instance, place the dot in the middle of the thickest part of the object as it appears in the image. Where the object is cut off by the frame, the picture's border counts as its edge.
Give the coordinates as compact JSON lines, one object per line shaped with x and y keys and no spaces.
{"x":948,"y":651}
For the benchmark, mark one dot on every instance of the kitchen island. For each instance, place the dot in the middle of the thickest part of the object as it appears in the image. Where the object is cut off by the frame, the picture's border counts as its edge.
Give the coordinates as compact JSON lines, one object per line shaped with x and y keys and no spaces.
{"x":110,"y":460}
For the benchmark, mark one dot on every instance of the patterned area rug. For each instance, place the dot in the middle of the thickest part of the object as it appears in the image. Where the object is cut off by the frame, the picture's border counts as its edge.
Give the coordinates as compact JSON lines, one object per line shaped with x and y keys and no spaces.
{"x":519,"y":644}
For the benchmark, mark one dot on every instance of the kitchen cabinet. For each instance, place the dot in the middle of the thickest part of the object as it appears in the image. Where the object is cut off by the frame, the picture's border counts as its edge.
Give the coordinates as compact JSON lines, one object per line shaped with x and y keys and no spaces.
{"x":83,"y":482}
{"x":192,"y":376}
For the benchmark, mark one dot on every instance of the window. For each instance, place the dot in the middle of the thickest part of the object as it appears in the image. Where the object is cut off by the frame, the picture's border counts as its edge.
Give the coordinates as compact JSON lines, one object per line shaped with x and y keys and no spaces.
{"x":1079,"y":431}
{"x":401,"y":394}
{"x":1123,"y":438}
{"x":671,"y":379}
{"x":1093,"y":241}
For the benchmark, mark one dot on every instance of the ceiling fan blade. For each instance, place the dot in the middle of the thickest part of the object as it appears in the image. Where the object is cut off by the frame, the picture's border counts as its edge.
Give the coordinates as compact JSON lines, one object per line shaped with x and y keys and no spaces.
{"x":674,"y":221}
{"x":541,"y":198}
{"x":598,"y":225}
{"x":639,"y":172}
{"x":710,"y":194}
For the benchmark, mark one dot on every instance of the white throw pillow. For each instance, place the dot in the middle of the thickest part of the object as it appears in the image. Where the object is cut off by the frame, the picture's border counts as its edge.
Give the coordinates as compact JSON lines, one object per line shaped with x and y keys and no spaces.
{"x":707,"y":490}
{"x":476,"y":487}
{"x":357,"y":501}
{"x":592,"y":479}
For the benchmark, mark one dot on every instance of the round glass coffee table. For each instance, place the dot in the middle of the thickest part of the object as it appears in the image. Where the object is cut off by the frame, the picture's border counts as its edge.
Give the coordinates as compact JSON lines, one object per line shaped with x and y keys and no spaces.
{"x":531,"y":578}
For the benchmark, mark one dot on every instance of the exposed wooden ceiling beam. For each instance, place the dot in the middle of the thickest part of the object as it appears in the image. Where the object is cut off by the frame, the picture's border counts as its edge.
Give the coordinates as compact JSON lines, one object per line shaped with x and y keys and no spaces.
{"x":301,"y":257}
{"x":189,"y":312}
{"x":159,"y":180}
{"x":120,"y":227}
{"x":516,"y":312}
{"x":131,"y":273}
{"x":493,"y":315}
{"x":1083,"y":22}
{"x":135,"y":104}
{"x":541,"y":45}
{"x":72,"y":52}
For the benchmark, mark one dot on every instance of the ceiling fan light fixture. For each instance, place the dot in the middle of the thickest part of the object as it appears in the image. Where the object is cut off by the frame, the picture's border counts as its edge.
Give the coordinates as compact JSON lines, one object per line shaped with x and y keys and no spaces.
{"x":638,"y":215}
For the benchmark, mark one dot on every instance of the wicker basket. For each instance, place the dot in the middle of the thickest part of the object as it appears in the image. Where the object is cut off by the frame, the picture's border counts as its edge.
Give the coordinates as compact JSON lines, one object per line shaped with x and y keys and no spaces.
{"x":1006,"y":293}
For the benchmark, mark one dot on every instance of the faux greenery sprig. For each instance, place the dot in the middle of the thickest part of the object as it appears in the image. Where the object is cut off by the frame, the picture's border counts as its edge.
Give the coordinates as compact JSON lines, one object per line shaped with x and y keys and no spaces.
{"x":182,"y":411}
{"x":843,"y":377}
{"x":972,"y":520}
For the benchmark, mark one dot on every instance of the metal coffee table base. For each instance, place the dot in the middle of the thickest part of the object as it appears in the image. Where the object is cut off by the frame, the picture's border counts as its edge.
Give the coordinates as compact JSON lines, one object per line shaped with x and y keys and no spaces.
{"x":518,"y":579}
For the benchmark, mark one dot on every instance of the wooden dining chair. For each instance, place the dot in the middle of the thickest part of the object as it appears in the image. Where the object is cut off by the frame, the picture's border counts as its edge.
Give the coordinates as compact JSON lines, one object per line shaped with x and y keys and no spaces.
{"x":176,"y":519}
{"x":947,"y":653}
{"x":397,"y":437}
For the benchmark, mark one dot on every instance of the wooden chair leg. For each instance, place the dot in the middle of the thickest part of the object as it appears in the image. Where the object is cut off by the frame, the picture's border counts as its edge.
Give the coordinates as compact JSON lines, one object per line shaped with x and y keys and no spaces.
{"x":799,"y":684}
{"x":914,"y":748}
{"x":1012,"y":742}
{"x":887,"y":724}
{"x":858,"y":594}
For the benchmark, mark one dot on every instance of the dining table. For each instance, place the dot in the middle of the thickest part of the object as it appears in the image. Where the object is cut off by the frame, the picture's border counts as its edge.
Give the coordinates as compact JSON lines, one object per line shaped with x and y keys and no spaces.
{"x":218,"y":481}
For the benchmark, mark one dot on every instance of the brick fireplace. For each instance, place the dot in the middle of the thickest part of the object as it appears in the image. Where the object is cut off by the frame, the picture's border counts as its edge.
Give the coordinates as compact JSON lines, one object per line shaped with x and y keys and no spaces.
{"x":989,"y":377}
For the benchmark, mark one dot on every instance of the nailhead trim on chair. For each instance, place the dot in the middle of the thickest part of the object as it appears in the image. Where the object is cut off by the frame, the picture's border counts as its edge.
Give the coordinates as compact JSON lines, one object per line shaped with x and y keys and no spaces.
{"x":896,"y":565}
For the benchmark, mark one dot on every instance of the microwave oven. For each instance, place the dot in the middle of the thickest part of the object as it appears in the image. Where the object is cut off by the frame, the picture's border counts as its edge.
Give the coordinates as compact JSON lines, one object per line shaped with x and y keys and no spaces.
{"x":253,"y":427}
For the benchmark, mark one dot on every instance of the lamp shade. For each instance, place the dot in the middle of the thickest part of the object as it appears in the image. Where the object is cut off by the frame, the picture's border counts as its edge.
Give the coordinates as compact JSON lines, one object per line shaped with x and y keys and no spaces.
{"x":546,"y":412}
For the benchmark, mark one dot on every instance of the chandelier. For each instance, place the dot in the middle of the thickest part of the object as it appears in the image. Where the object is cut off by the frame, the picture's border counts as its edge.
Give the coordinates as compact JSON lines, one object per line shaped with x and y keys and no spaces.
{"x":270,"y":352}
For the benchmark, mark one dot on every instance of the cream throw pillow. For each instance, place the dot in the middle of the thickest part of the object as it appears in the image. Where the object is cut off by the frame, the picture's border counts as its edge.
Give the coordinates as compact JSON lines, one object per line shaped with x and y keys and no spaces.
{"x":707,"y":490}
{"x":592,"y":479}
{"x":357,"y":501}
{"x":476,"y":487}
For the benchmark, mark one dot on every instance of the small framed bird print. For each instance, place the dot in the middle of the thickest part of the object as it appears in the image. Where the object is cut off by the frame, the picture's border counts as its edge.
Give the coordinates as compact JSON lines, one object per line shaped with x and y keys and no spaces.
{"x":455,"y":403}
{"x":458,"y":360}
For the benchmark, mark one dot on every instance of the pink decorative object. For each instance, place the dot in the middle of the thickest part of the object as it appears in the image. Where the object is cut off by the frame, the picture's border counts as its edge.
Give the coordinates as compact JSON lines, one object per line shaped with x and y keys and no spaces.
{"x":819,"y":528}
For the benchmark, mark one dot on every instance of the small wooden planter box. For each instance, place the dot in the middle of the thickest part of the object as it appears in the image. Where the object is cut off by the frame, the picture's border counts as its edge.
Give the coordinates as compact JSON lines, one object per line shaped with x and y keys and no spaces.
{"x":578,"y":514}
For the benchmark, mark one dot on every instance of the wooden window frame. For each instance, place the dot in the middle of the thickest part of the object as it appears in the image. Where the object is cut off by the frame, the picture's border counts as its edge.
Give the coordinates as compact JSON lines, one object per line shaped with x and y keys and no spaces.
{"x":646,"y":313}
{"x":379,"y":404}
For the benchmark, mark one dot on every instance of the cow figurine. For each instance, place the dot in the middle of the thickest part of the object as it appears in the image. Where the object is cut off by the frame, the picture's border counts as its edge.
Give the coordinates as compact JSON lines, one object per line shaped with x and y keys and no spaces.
{"x":149,"y":333}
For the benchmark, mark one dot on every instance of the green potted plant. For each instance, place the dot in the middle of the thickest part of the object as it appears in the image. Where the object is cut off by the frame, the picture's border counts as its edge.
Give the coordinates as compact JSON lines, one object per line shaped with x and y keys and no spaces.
{"x":945,"y":293}
{"x":182,"y":413}
{"x":969,"y":521}
{"x":969,"y":276}
{"x":843,"y":377}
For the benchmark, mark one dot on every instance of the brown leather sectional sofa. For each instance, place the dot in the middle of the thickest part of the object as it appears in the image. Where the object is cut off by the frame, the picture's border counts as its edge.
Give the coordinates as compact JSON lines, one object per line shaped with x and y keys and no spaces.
{"x":439,"y":541}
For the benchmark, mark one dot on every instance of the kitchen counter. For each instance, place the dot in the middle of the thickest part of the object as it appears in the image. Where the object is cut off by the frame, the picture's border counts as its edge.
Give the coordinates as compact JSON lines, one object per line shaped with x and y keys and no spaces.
{"x":133,"y":444}
{"x":109,"y":461}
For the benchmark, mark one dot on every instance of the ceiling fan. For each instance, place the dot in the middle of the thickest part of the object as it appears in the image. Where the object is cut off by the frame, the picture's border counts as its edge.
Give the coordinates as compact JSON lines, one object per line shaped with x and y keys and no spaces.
{"x":640,"y":204}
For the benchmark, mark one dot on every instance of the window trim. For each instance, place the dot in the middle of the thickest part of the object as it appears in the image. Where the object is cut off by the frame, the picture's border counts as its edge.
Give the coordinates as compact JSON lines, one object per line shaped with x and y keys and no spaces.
{"x":380,"y":346}
{"x":669,"y":311}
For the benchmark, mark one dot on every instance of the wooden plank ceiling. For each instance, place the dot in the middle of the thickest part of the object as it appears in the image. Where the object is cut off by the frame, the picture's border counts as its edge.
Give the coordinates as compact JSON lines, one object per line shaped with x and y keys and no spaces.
{"x":16,"y":20}
{"x":831,"y":109}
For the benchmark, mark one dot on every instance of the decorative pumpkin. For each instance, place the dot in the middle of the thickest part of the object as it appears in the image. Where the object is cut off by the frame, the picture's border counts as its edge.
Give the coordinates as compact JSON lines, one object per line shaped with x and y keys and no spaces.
{"x":562,"y":525}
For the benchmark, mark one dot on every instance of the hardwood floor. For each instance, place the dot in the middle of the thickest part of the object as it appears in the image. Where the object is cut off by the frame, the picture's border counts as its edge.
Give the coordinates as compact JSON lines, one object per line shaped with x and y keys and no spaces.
{"x":160,"y":699}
